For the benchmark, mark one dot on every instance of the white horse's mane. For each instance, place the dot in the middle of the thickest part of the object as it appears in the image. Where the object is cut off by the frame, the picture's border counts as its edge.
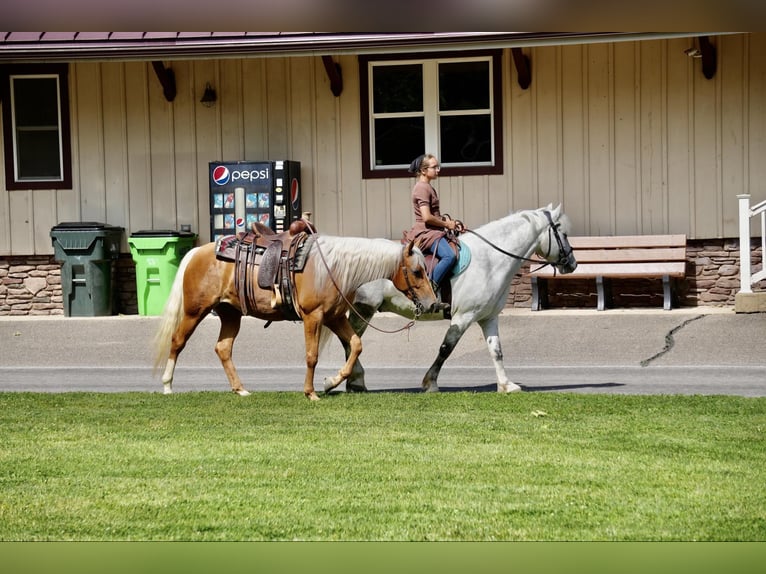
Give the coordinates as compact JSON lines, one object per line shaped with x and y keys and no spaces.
{"x":354,"y":261}
{"x":529,"y":215}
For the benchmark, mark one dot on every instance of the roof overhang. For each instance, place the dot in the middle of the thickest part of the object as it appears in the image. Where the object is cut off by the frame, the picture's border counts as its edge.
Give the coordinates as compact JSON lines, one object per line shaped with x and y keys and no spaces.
{"x":31,"y":47}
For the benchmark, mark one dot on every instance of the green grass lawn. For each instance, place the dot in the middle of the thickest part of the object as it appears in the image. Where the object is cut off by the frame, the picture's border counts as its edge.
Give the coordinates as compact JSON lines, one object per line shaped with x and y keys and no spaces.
{"x":381,"y":466}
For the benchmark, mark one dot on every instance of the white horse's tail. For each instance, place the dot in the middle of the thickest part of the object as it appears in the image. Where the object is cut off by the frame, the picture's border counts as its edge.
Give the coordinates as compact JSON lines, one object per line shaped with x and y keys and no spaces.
{"x":172,"y":315}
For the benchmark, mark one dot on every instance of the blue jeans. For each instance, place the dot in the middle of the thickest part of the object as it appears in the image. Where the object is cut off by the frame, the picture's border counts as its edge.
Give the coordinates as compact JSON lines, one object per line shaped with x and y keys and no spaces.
{"x":446,"y":256}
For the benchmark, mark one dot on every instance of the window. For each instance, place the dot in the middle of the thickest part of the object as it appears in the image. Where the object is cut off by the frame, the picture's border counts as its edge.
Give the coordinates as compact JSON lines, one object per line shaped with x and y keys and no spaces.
{"x":447,"y":105}
{"x":36,"y":127}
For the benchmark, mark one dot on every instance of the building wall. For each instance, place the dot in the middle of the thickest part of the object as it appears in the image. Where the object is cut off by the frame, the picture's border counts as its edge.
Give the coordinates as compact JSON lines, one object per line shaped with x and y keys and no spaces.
{"x":630,"y":137}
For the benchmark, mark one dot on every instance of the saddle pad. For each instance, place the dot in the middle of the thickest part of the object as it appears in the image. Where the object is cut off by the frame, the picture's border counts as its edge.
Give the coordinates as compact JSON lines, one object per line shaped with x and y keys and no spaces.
{"x":463,"y":260}
{"x":226,"y":248}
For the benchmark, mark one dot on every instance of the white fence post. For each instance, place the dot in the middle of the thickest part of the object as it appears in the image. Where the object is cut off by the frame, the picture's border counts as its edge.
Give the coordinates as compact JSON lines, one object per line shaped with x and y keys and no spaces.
{"x":744,"y":243}
{"x":747,"y":278}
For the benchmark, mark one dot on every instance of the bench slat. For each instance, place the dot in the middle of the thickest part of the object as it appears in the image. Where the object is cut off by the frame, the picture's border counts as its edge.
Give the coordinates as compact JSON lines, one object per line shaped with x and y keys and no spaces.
{"x":629,"y":255}
{"x":589,"y":270}
{"x":627,"y":241}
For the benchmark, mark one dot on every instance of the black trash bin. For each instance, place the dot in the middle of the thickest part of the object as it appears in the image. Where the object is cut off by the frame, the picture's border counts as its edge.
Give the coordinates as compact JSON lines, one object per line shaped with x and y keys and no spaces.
{"x":87,"y":251}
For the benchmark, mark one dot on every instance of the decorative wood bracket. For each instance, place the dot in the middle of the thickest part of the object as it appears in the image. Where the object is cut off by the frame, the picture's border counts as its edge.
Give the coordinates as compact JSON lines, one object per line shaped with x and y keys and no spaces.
{"x":708,"y":57}
{"x":167,"y":79}
{"x":334,"y":75}
{"x":523,"y":68}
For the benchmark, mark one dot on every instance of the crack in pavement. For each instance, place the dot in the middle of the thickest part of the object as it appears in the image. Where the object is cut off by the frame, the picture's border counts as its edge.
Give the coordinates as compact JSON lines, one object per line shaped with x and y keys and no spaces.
{"x":669,"y":340}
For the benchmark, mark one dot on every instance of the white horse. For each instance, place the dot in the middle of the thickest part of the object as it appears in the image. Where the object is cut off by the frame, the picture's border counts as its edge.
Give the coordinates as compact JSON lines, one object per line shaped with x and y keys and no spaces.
{"x":479,"y":293}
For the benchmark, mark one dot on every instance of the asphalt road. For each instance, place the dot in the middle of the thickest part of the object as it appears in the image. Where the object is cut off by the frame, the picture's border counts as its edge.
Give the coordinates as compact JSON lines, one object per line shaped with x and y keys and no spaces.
{"x":684,"y":351}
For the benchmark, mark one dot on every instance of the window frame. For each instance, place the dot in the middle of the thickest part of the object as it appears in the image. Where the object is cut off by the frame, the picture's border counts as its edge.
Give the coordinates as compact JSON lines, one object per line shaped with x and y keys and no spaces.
{"x":496,"y":108}
{"x":61,"y":72}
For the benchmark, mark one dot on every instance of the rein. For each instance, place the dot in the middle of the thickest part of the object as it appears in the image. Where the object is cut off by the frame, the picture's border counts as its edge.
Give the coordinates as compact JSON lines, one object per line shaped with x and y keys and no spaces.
{"x":552,"y":229}
{"x":345,"y":299}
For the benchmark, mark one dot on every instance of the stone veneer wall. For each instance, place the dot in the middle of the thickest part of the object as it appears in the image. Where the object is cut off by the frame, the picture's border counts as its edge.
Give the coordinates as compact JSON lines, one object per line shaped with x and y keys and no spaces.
{"x":32,"y":285}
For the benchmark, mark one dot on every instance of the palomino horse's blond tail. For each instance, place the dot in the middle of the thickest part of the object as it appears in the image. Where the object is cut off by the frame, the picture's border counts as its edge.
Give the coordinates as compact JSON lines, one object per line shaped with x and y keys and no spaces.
{"x":172,"y":315}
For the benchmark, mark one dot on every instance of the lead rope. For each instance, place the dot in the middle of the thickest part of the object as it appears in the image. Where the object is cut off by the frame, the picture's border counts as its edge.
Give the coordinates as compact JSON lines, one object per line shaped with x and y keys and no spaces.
{"x":407,"y":327}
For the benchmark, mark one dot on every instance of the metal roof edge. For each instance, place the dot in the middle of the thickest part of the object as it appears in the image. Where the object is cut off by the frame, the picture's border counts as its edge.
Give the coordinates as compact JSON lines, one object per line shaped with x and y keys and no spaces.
{"x":185,"y":46}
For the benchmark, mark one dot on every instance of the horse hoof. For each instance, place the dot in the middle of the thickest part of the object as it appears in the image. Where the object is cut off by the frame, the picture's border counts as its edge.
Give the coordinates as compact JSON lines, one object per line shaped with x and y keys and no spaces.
{"x":312,"y":397}
{"x":329,"y":384}
{"x":431,"y":388}
{"x":168,"y":389}
{"x":508,"y":388}
{"x":243,"y":393}
{"x":355,"y":388}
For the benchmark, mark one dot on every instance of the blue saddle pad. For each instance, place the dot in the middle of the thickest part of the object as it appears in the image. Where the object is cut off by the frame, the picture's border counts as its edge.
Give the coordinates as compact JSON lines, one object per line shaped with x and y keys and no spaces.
{"x":463,"y":260}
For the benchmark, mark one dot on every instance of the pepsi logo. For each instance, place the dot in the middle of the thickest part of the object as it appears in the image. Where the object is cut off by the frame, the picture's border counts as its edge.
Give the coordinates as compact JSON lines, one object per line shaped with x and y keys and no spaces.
{"x":294,"y":193}
{"x":221,"y":175}
{"x":240,"y":222}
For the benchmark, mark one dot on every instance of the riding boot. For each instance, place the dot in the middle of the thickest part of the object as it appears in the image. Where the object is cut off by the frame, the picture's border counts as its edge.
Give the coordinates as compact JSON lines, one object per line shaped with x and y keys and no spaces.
{"x":440,"y":306}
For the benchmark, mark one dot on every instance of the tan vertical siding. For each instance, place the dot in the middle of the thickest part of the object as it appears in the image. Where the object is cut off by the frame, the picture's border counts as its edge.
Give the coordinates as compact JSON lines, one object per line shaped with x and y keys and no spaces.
{"x":116,"y":190}
{"x":629,"y":136}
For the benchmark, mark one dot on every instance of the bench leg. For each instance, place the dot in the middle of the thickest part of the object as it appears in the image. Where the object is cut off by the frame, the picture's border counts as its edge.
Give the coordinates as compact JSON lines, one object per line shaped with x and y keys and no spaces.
{"x":600,"y":292}
{"x":666,"y":293}
{"x":539,"y":293}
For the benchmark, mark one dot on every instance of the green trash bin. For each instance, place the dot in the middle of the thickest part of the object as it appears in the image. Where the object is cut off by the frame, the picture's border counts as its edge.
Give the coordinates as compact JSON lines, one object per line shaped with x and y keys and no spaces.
{"x":87,"y":251}
{"x":157,"y":254}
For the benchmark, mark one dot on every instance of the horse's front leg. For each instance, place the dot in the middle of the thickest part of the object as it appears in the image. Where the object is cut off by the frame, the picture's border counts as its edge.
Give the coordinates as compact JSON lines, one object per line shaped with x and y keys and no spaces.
{"x":312,"y":328}
{"x":359,"y":321}
{"x":231,"y":320}
{"x":451,"y":338}
{"x":353,"y":344}
{"x":490,"y":330}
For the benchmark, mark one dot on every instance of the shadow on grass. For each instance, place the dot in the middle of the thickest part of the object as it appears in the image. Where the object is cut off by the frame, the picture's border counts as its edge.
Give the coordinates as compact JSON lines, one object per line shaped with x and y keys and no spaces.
{"x":488,"y":388}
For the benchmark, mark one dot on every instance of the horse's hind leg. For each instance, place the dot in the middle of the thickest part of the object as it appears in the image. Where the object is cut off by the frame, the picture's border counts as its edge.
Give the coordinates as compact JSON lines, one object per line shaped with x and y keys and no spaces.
{"x":231,"y":320}
{"x":489,"y":328}
{"x":451,"y":338}
{"x":180,"y":337}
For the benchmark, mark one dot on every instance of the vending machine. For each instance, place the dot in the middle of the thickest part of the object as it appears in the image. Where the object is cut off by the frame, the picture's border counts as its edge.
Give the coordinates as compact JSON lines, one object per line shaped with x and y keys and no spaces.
{"x":242,"y":192}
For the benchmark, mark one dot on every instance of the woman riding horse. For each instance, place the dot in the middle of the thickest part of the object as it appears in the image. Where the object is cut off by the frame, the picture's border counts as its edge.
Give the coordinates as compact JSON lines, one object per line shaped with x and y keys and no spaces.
{"x":432,"y":232}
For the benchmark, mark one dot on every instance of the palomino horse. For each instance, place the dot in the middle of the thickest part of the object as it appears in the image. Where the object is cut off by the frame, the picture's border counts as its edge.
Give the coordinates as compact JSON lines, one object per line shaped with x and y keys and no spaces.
{"x":335,"y":268}
{"x":479,"y":292}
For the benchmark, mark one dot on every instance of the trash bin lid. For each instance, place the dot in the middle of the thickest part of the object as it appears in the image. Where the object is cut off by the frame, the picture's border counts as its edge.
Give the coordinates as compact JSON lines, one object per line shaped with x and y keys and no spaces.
{"x":161,"y":233}
{"x":81,"y":225}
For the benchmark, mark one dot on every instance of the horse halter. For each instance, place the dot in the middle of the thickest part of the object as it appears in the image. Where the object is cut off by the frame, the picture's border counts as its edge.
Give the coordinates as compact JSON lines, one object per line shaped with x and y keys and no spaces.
{"x":564,"y":252}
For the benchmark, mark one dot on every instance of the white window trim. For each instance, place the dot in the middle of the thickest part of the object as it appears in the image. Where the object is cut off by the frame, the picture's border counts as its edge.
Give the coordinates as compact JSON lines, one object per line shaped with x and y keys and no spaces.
{"x":431,"y":113}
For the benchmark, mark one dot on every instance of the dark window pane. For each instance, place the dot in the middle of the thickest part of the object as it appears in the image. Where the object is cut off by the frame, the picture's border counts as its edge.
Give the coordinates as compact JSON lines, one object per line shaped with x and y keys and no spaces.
{"x":36,"y":101}
{"x":466,"y":139}
{"x":397,"y":89}
{"x":398,"y":140}
{"x":464,"y":86}
{"x":38,"y":155}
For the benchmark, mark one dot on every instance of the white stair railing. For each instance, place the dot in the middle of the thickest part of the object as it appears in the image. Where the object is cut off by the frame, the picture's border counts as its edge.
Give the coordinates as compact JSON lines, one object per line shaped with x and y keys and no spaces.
{"x":746,"y":277}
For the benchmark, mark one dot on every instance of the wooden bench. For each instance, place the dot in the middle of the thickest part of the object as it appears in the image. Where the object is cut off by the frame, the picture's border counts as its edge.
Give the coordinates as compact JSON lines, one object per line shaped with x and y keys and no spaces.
{"x":617,"y":257}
